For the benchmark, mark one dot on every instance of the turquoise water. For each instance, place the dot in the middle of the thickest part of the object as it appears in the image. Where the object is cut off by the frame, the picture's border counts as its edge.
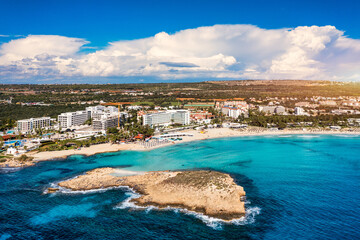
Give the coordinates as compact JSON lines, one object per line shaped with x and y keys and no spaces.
{"x":298,"y":187}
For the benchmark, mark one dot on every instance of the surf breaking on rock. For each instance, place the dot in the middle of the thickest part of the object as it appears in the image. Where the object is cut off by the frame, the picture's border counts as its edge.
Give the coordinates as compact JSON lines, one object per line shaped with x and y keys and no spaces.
{"x":211,"y":193}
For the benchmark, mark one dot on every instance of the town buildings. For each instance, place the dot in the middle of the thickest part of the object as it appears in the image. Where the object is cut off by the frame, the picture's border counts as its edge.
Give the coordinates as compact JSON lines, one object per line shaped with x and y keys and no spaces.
{"x":28,"y":125}
{"x":105,"y":121}
{"x":272,"y":109}
{"x":201,"y":117}
{"x":166,"y":118}
{"x":98,"y":111}
{"x":299,"y":111}
{"x":233,"y":109}
{"x":70,"y":119}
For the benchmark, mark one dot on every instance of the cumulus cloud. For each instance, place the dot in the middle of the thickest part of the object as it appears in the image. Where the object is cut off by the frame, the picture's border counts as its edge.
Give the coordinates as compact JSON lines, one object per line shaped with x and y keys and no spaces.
{"x":220,"y":51}
{"x":179,"y":64}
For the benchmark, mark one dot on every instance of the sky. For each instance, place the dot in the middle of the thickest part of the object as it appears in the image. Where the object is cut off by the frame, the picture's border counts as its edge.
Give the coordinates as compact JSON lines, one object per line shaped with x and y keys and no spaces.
{"x":162,"y":41}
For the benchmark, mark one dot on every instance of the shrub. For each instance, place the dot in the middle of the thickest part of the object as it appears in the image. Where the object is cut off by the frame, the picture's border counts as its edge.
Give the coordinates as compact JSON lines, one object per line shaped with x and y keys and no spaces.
{"x":25,"y":158}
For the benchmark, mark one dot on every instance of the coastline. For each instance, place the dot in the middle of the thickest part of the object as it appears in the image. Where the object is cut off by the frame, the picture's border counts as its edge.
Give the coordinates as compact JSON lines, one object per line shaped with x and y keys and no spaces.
{"x":197,"y":136}
{"x":188,"y":190}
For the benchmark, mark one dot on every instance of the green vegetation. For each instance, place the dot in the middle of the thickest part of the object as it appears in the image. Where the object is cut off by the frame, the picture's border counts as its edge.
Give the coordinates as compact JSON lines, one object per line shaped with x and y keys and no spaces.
{"x":260,"y":120}
{"x":112,"y":130}
{"x":3,"y":158}
{"x":10,"y":113}
{"x":88,"y":122}
{"x":143,"y":104}
{"x":74,"y":97}
{"x":72,"y":144}
{"x":199,"y":179}
{"x":25,"y":158}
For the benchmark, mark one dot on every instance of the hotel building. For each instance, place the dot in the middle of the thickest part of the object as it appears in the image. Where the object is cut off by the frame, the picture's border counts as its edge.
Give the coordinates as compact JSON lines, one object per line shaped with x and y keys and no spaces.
{"x":166,"y":118}
{"x":28,"y":125}
{"x":70,"y":119}
{"x":106,"y":121}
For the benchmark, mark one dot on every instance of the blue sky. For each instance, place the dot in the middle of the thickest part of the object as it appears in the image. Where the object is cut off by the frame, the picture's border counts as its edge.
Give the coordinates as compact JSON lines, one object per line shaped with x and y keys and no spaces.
{"x":97,"y":23}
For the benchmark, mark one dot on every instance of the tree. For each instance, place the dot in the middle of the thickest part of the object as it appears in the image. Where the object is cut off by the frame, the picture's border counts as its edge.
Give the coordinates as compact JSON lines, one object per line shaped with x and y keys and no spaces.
{"x":112,"y":130}
{"x":282,"y":125}
{"x":25,"y":158}
{"x":88,"y":122}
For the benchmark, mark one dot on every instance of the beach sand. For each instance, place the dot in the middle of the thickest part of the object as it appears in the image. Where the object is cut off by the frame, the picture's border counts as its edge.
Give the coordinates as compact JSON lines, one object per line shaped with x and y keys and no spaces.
{"x":208,"y":134}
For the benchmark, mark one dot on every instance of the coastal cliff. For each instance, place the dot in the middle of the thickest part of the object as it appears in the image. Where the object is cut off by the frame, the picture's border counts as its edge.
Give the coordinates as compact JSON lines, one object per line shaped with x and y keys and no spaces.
{"x":209,"y":192}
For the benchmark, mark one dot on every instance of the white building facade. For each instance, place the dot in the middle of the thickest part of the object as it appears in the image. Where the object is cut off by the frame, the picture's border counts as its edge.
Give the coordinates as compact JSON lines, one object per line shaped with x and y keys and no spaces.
{"x":180,"y":116}
{"x":166,"y":118}
{"x":70,"y":119}
{"x":100,"y":110}
{"x":106,"y":121}
{"x":28,"y":125}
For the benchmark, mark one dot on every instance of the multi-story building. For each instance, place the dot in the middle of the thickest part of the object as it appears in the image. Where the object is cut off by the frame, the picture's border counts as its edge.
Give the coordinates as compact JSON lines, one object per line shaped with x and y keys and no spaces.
{"x":166,"y":118}
{"x":272,"y":109}
{"x":180,"y":116}
{"x":70,"y":119}
{"x":237,"y":104}
{"x":99,"y":110}
{"x":159,"y":118}
{"x":328,"y":103}
{"x":106,"y":121}
{"x":201,"y":116}
{"x":28,"y":125}
{"x":280,"y":110}
{"x":299,"y":111}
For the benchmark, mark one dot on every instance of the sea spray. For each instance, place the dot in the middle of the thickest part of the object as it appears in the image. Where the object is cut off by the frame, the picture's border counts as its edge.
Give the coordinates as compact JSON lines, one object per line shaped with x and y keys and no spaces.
{"x":63,"y":190}
{"x":215,"y":223}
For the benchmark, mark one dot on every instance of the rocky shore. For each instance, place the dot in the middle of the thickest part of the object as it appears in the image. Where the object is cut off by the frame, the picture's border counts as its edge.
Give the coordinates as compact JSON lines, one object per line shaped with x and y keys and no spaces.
{"x":14,"y":163}
{"x":209,"y":192}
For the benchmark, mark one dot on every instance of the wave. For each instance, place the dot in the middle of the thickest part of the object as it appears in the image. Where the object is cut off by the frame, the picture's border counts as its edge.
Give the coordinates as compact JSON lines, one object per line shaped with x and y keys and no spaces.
{"x":308,"y":136}
{"x":346,"y":135}
{"x":10,"y":169}
{"x":215,"y":223}
{"x":284,"y":136}
{"x":63,"y":190}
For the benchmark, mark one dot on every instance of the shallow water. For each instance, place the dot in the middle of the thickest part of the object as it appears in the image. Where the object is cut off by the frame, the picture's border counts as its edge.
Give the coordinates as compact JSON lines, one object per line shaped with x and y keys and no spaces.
{"x":298,"y":187}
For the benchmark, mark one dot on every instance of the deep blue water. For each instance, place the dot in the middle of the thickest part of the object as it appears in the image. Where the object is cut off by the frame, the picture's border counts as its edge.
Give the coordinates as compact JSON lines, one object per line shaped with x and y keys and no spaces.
{"x":298,"y":187}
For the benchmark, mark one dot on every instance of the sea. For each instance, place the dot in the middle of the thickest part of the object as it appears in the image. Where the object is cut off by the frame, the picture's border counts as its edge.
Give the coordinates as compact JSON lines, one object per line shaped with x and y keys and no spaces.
{"x":298,"y":187}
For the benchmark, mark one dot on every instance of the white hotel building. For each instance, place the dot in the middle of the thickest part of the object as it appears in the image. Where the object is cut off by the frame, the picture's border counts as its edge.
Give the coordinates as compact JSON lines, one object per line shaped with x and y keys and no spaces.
{"x":28,"y":125}
{"x":166,"y":118}
{"x":70,"y":119}
{"x":109,"y":120}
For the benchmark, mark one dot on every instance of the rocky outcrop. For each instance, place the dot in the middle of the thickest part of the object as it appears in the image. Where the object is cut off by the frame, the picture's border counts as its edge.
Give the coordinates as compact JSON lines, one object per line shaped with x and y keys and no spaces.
{"x":15,"y":163}
{"x":210,"y":192}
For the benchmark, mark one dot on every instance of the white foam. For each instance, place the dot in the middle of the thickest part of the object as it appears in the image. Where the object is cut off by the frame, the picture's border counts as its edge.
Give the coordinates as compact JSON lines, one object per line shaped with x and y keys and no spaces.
{"x":10,"y":169}
{"x":127,"y":202}
{"x":215,"y":223}
{"x":308,"y":136}
{"x":284,"y":136}
{"x":63,"y":190}
{"x":346,"y":135}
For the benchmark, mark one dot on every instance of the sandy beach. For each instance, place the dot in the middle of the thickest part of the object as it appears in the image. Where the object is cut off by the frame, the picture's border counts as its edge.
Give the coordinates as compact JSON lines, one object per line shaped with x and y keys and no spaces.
{"x":197,"y":135}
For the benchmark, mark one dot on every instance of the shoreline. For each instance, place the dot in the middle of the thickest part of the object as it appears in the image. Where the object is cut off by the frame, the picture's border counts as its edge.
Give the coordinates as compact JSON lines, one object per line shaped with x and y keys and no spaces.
{"x":197,"y":136}
{"x":163,"y":189}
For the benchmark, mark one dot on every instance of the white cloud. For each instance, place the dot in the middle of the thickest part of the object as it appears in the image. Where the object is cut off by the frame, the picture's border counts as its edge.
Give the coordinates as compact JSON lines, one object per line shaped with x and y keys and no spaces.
{"x":220,"y":51}
{"x":35,"y":45}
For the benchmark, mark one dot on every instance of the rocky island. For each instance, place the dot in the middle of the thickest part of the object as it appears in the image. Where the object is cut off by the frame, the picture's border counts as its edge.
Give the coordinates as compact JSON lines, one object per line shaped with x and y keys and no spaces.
{"x":209,"y":192}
